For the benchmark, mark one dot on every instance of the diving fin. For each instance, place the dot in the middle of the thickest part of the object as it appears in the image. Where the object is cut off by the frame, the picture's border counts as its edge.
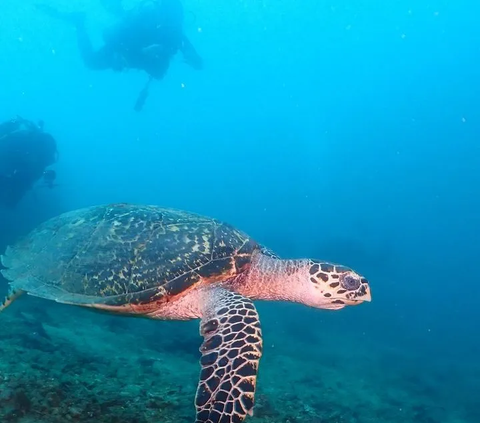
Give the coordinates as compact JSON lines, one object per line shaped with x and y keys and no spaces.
{"x":114,"y":7}
{"x":142,"y":96}
{"x":74,"y":18}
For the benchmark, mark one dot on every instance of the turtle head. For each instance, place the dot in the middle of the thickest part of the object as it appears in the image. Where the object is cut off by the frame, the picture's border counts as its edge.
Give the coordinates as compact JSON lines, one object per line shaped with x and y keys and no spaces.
{"x":312,"y":283}
{"x":333,"y":286}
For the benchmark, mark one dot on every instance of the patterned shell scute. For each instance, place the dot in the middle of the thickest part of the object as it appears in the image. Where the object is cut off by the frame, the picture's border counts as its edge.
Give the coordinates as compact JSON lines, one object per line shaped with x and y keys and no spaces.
{"x":119,"y":254}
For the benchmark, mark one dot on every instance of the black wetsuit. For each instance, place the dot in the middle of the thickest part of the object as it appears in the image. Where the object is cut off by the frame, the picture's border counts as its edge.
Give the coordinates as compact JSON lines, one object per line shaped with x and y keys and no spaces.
{"x":146,"y":38}
{"x":25,"y":152}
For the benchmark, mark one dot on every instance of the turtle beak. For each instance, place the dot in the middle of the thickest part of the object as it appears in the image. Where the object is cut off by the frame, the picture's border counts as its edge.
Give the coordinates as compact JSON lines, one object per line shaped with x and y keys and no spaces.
{"x":364,"y":293}
{"x":368,"y":296}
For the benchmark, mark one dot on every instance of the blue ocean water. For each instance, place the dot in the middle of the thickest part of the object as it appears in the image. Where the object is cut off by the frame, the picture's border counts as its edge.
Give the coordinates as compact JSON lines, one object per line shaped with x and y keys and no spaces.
{"x":345,"y":131}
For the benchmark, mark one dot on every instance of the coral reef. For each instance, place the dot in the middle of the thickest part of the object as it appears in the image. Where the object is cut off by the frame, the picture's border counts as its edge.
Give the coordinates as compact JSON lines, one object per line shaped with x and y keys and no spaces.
{"x":65,"y":364}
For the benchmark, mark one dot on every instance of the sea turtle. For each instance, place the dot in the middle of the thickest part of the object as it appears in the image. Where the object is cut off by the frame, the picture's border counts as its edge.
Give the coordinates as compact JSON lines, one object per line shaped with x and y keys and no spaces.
{"x":169,"y":264}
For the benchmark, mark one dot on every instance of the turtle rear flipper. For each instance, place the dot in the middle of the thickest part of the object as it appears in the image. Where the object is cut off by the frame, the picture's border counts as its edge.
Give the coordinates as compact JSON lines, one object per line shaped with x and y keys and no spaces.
{"x":231,"y":351}
{"x":10,"y":298}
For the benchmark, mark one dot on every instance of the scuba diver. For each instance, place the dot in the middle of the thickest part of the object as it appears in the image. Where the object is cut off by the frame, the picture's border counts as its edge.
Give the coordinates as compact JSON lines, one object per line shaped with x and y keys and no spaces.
{"x":25,"y":151}
{"x":146,"y":37}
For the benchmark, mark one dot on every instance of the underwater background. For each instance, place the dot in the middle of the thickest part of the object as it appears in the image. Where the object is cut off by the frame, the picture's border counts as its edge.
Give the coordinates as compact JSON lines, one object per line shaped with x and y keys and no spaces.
{"x":342,"y":130}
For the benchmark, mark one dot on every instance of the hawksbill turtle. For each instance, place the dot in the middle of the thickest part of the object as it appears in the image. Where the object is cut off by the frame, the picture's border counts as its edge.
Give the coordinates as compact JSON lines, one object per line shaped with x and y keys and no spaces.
{"x":166,"y":264}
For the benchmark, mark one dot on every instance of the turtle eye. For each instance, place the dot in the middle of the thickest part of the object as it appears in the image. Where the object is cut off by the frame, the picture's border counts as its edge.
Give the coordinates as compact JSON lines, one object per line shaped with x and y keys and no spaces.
{"x":350,"y":282}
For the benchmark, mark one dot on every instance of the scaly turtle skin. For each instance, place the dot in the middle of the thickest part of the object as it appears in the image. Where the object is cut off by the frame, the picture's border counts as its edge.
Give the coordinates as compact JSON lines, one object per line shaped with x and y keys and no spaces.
{"x":169,"y":264}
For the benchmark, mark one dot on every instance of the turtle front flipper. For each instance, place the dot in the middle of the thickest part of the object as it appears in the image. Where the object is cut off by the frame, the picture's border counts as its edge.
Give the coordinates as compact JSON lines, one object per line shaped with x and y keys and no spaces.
{"x":10,"y":298}
{"x":231,"y":351}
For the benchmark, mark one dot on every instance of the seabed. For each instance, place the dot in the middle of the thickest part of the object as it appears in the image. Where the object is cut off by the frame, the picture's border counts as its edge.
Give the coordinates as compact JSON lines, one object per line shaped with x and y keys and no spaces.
{"x":66,"y":364}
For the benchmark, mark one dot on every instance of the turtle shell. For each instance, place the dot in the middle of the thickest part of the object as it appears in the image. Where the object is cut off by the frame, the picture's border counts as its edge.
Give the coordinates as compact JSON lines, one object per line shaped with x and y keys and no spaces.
{"x":125,"y":254}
